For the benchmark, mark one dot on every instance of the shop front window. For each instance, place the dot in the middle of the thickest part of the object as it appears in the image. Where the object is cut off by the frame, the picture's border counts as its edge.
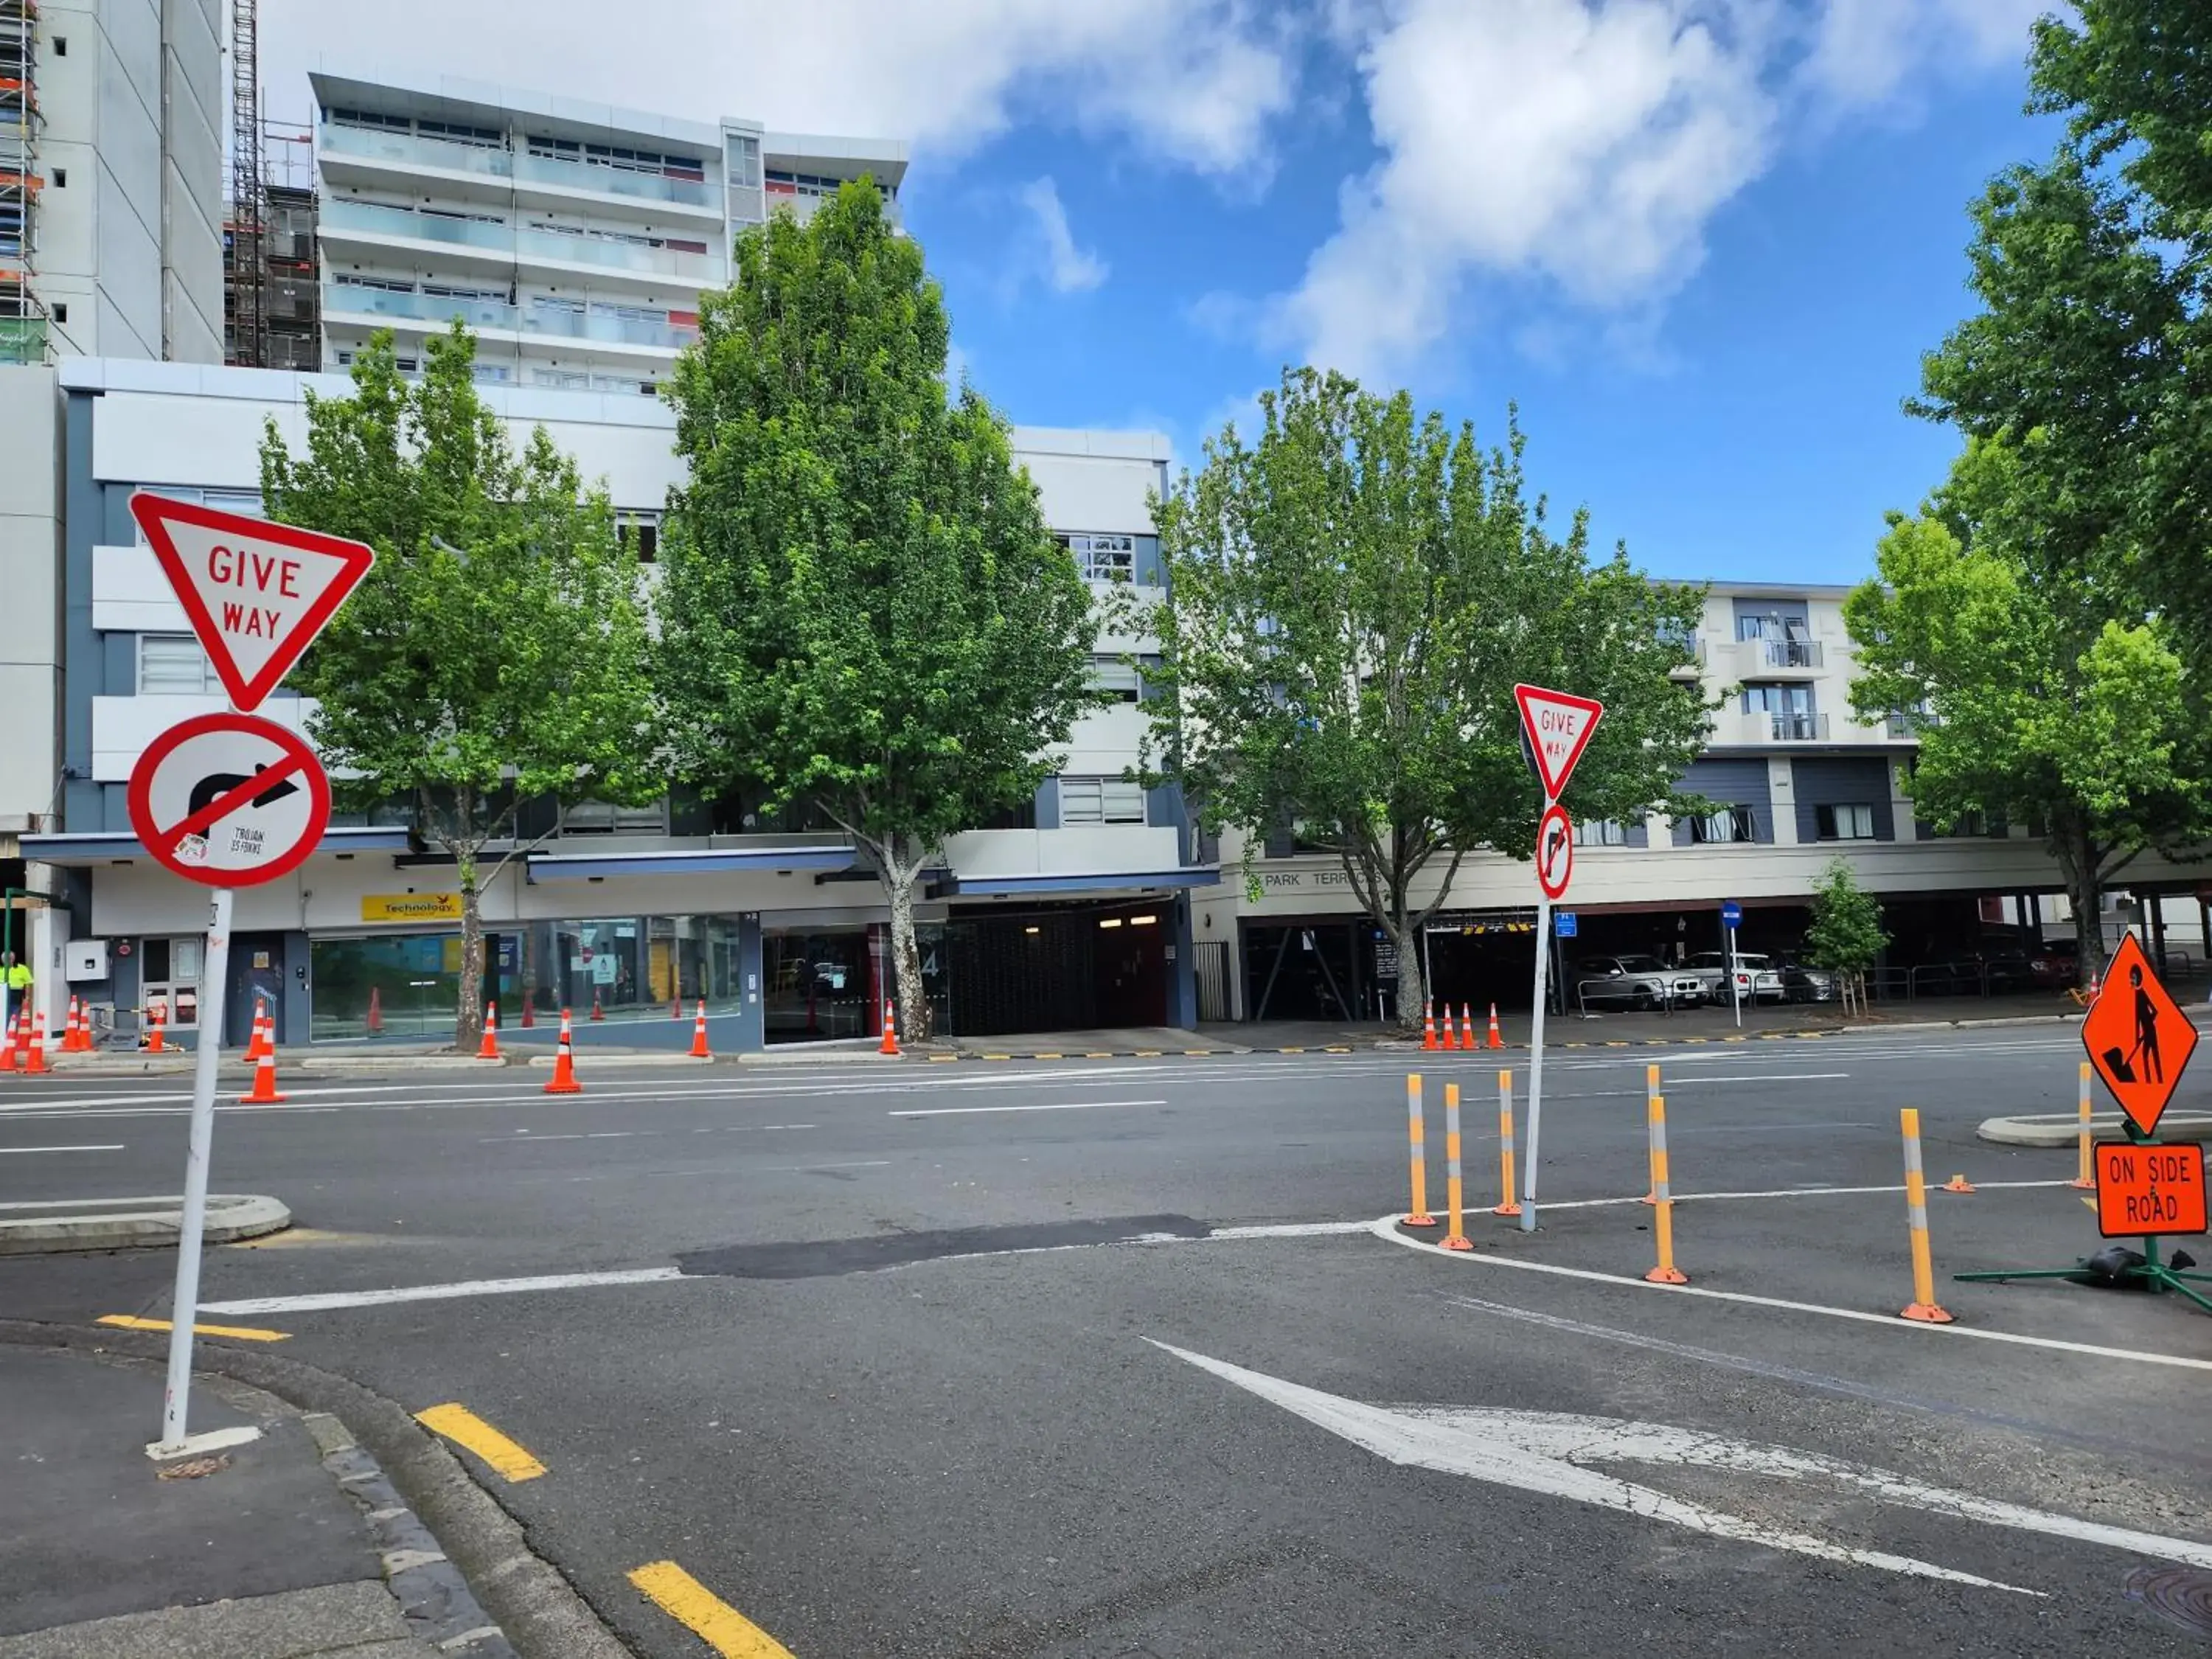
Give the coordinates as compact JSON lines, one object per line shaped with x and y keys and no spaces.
{"x":817,"y":985}
{"x":397,"y":985}
{"x":631,"y":967}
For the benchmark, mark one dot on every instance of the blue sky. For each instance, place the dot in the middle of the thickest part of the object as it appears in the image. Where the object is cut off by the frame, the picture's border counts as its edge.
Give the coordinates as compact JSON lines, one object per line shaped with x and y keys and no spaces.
{"x":1702,"y":243}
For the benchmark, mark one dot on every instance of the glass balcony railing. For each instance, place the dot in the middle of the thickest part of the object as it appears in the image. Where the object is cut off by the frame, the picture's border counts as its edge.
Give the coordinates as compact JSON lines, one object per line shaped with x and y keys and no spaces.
{"x":410,"y":151}
{"x":614,"y":181}
{"x":607,"y":252}
{"x":423,"y":307}
{"x":1798,"y":727}
{"x":613,"y":255}
{"x":554,"y":322}
{"x":613,"y":330}
{"x":339,"y":214}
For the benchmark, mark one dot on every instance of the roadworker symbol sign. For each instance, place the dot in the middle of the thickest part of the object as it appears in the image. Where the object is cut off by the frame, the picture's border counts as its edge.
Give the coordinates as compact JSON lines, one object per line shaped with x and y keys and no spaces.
{"x":1555,"y":851}
{"x":229,"y":800}
{"x":256,"y":592}
{"x":2143,"y":1191}
{"x":2137,"y":1036}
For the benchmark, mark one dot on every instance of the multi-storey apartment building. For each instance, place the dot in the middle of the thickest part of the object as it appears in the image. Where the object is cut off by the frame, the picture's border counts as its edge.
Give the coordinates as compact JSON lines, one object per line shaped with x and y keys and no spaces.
{"x":574,"y":239}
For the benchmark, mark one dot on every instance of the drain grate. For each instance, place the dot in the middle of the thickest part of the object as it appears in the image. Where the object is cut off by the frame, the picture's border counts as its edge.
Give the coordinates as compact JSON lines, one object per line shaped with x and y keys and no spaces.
{"x":2181,"y":1595}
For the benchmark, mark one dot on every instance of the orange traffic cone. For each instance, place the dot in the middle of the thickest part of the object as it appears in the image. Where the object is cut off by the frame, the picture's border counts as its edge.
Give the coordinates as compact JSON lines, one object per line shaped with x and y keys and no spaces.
{"x":19,"y":1041}
{"x":1495,"y":1040}
{"x":258,"y":1043}
{"x":1429,"y":1043}
{"x":375,"y":1012}
{"x":699,"y":1050}
{"x":34,"y":1052}
{"x":264,"y":1091}
{"x":153,"y":1045}
{"x":597,"y":1012}
{"x":1467,"y":1037}
{"x":11,"y":1044}
{"x":890,"y":1044}
{"x":1957,"y":1183}
{"x":1447,"y":1040}
{"x":563,"y":1081}
{"x":72,"y":1030}
{"x":489,"y":1048}
{"x":529,"y":1019}
{"x":675,"y":1005}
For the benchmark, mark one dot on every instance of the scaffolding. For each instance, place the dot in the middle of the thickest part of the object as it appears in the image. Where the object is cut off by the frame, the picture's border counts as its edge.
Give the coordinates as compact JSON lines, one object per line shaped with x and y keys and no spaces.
{"x":22,"y":316}
{"x":246,"y":316}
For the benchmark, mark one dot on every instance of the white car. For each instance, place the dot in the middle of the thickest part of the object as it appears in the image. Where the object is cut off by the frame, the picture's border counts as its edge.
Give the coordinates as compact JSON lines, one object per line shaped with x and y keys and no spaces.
{"x":1633,"y":981}
{"x":1757,"y":978}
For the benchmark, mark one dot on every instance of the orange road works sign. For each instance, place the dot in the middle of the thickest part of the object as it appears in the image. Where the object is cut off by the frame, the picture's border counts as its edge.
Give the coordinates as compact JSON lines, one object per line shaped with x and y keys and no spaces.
{"x":2137,"y":1036}
{"x":2142,"y":1191}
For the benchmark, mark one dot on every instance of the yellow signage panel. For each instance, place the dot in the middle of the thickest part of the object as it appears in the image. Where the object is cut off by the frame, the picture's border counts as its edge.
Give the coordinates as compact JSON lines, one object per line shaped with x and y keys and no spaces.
{"x":410,"y":906}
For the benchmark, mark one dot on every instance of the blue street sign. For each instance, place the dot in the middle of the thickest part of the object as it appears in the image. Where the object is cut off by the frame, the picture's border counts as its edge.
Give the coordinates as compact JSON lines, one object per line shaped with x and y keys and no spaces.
{"x":1563,"y":923}
{"x":1731,"y":913}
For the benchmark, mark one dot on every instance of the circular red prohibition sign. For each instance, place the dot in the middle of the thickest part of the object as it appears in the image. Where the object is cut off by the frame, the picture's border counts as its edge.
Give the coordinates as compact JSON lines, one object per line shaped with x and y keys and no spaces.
{"x":229,"y":800}
{"x":1555,"y":851}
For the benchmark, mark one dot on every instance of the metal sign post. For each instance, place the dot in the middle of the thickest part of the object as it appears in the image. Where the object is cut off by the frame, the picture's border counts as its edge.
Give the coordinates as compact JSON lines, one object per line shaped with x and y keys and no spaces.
{"x":1536,"y":1066}
{"x":1731,"y":918}
{"x":184,"y":1306}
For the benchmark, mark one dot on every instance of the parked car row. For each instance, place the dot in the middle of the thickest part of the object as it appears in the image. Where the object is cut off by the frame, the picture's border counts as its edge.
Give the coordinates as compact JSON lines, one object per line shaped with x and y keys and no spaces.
{"x":1644,"y":981}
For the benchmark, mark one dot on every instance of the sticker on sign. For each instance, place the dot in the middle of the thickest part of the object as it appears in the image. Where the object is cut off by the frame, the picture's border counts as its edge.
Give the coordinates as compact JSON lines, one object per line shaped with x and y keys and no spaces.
{"x":1559,"y":724}
{"x":256,"y":592}
{"x":229,"y":800}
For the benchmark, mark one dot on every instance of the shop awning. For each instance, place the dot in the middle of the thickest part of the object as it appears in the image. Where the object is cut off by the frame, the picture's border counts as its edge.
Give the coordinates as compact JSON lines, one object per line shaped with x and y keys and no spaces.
{"x":106,"y":846}
{"x":690,"y":861}
{"x":1109,"y":881}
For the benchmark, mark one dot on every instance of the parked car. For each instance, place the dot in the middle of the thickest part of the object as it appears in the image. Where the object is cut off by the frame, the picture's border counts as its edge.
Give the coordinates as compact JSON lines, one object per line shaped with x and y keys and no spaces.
{"x":2056,"y":963}
{"x":1987,"y":972}
{"x":1803,"y":982}
{"x":1634,"y":981}
{"x":1757,"y":978}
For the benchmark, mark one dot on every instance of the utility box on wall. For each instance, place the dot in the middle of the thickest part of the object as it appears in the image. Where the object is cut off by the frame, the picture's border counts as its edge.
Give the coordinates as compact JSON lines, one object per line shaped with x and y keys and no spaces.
{"x":84,"y":959}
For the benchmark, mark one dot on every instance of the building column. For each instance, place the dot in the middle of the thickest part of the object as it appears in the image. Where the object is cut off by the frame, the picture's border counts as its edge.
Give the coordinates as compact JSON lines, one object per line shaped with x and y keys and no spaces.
{"x":1182,"y":969}
{"x":751,"y":1033}
{"x":1782,"y":799}
{"x":299,"y":999}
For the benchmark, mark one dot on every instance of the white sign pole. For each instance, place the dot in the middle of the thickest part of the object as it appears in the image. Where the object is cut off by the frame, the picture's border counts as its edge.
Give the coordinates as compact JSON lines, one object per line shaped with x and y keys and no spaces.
{"x":1735,"y":980}
{"x":1536,"y":1063}
{"x":184,"y":1306}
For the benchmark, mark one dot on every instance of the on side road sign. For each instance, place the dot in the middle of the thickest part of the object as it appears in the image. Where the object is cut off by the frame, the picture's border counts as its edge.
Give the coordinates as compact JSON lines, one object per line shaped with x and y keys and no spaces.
{"x":1559,"y":724}
{"x":229,"y":800}
{"x":256,"y":592}
{"x":2137,"y":1036}
{"x":2146,"y":1191}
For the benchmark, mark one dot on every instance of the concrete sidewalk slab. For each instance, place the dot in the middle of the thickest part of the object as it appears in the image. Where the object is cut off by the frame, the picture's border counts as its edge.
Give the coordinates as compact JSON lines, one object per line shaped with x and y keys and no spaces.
{"x":46,"y":1227}
{"x":357,"y":1620}
{"x":2064,"y":1128}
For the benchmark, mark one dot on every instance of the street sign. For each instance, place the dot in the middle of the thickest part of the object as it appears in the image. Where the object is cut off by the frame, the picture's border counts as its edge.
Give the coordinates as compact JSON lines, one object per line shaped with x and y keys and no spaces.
{"x":1731,"y":913}
{"x":2138,"y":1039}
{"x":1565,"y":923}
{"x":229,"y":800}
{"x":1555,"y":851}
{"x":256,"y":592}
{"x":1559,"y":724}
{"x":2148,"y":1191}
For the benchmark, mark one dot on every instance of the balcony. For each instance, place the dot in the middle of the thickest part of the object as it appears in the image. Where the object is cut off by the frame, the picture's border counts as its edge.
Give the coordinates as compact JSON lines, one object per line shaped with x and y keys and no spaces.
{"x":612,"y":255}
{"x":1788,"y":653}
{"x":507,"y":243}
{"x":602,"y":180}
{"x":1796,"y":727}
{"x":421,"y":312}
{"x":404,"y":150}
{"x":1740,"y":728}
{"x":377,"y":220}
{"x":1736,"y":660}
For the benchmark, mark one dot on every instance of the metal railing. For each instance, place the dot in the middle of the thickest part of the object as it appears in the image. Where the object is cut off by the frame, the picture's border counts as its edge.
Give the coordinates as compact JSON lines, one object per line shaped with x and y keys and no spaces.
{"x":1797,"y":727}
{"x":1790,"y":654}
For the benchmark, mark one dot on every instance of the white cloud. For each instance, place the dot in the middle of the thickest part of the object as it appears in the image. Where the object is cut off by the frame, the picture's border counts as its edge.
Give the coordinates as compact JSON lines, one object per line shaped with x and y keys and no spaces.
{"x":1194,"y":81}
{"x":1864,"y":51}
{"x":1067,"y":268}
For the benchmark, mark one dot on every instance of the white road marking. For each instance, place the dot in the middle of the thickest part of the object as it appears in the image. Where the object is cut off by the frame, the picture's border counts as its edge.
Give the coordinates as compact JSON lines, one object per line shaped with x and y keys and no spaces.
{"x":1062,"y":1106}
{"x":8,"y":1151}
{"x":1387,"y":1228}
{"x":1551,"y":1453}
{"x":1782,"y":1192}
{"x":474,"y":1287}
{"x":1283,"y":1230}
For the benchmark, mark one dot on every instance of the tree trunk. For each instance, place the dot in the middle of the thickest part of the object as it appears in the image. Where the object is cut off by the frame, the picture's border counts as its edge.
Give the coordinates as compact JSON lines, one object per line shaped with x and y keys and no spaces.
{"x":1413,"y":979}
{"x":468,"y":1026}
{"x":899,"y":876}
{"x":2077,"y":861}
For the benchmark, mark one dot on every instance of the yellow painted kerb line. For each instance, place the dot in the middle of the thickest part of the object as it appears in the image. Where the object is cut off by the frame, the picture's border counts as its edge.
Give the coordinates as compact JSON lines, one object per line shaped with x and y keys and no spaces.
{"x":241,"y":1332}
{"x":705,"y":1614}
{"x":464,"y":1428}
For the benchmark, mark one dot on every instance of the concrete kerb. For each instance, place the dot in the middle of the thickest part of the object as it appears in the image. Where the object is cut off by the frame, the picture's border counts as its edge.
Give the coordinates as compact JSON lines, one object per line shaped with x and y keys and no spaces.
{"x":53,"y":1226}
{"x":2064,"y":1129}
{"x":542,"y":1614}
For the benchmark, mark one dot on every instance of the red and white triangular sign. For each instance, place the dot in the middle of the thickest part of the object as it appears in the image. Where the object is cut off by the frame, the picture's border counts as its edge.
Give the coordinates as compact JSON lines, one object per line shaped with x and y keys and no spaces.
{"x":1559,"y":724}
{"x":256,"y":592}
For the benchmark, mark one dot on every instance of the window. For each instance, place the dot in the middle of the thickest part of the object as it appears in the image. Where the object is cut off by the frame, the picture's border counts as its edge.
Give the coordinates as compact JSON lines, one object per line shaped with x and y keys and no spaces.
{"x":61,"y":312}
{"x":456,"y":132}
{"x":1730,"y":823}
{"x":387,"y":284}
{"x":641,"y":532}
{"x":369,"y":117}
{"x":1101,"y":800}
{"x":61,"y":178}
{"x":61,"y":45}
{"x":1774,"y":625}
{"x":1845,"y":822}
{"x":1600,"y":832}
{"x":1102,"y":558}
{"x":598,"y":817}
{"x":1112,"y":674}
{"x":463,"y":291}
{"x":743,"y":161}
{"x":173,"y":664}
{"x":1777,"y":699}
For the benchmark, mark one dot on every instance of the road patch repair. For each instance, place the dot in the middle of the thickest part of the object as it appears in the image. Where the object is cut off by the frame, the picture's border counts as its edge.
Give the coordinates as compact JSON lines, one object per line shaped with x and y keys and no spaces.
{"x":44,"y":1226}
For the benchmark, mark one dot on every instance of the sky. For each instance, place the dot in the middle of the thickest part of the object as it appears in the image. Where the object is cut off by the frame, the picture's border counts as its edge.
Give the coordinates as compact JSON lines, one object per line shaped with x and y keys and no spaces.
{"x":1701,"y":244}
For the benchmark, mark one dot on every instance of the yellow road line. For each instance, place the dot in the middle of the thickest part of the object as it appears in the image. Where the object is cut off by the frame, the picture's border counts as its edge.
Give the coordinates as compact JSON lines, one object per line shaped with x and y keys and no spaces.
{"x":242,"y":1332}
{"x":1044,"y":1056}
{"x":705,"y":1614}
{"x":464,"y":1428}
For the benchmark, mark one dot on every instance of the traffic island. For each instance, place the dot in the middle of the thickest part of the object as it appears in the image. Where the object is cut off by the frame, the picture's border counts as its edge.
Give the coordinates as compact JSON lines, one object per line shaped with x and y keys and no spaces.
{"x":51,"y":1226}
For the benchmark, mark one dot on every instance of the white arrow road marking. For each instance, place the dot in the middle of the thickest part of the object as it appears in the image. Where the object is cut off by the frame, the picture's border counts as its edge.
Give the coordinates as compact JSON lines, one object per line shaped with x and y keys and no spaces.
{"x":1550,"y":1452}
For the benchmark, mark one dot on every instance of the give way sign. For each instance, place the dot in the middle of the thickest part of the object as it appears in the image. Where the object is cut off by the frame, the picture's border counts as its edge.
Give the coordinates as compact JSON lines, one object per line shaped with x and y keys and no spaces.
{"x":1559,"y":724}
{"x":256,"y":592}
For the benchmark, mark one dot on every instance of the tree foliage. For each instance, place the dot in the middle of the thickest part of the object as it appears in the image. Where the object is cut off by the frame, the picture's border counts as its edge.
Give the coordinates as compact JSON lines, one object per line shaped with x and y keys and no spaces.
{"x":2042,"y":703}
{"x":862,"y":612}
{"x":1845,"y":934}
{"x":2089,"y":359}
{"x":496,"y":652}
{"x":1351,"y":601}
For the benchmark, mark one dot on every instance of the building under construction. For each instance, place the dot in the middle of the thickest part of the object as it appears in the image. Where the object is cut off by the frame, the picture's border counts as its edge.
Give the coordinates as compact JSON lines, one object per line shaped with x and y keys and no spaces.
{"x":271,"y":300}
{"x":22,"y":316}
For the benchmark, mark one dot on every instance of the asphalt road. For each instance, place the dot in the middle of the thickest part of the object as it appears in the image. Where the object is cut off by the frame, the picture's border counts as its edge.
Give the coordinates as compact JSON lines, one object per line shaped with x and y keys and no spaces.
{"x":1113,"y":1359}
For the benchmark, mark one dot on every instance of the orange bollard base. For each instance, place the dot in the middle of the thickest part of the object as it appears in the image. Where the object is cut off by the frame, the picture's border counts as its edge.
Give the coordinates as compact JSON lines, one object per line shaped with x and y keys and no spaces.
{"x":1957,"y":1183}
{"x":2079,"y":1185}
{"x":1505,"y":1209}
{"x":1421,"y":1220}
{"x":1459,"y":1242}
{"x":1666,"y":1276}
{"x":1926,"y":1313}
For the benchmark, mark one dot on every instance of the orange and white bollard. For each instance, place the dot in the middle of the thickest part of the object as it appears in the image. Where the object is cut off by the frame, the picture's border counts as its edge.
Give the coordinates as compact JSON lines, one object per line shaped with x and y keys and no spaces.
{"x":699,"y":1049}
{"x":564,"y":1080}
{"x":1457,"y":1239}
{"x":1496,"y":1039}
{"x":1414,"y":1127}
{"x":1429,"y":1027}
{"x":488,"y":1048}
{"x":1508,"y":1206}
{"x":890,"y":1044}
{"x":1923,"y":1308}
{"x":264,"y":1091}
{"x":1651,"y":1093}
{"x":1662,"y":1196}
{"x":2085,"y":1177}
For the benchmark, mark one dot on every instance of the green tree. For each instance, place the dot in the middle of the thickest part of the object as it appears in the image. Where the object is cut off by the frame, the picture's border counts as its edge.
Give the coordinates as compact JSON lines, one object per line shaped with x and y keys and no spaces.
{"x":2042,"y":699}
{"x":862,"y":613}
{"x":2094,"y":269}
{"x":1846,"y":933}
{"x":496,"y":653}
{"x":1351,"y":601}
